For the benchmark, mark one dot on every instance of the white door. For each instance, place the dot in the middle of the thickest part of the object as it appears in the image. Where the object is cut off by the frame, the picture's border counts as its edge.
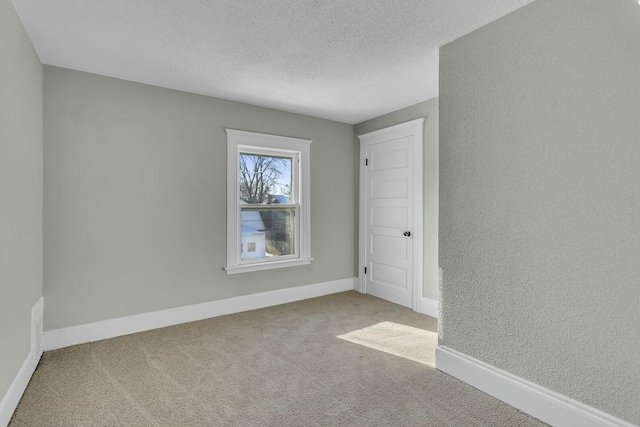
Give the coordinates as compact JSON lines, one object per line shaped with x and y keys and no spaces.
{"x":391,"y":213}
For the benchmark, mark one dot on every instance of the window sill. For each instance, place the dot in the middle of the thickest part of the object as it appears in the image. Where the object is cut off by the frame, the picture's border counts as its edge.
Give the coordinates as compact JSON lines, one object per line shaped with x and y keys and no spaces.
{"x":248,"y":268}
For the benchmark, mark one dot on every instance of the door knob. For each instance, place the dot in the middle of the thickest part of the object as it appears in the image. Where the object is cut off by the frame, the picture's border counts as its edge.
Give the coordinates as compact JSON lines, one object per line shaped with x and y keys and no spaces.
{"x":407,"y":233}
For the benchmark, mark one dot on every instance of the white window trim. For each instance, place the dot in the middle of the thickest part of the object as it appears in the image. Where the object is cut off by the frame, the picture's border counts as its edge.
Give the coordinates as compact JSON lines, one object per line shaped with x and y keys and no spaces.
{"x":242,"y":141}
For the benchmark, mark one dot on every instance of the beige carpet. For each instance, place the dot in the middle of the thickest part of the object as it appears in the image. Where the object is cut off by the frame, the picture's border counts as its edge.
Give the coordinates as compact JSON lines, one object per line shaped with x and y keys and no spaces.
{"x":342,"y":360}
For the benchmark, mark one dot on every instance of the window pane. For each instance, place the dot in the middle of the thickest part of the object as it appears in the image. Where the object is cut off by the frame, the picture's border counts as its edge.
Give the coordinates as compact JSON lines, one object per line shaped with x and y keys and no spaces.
{"x":267,"y":233}
{"x":265,"y":180}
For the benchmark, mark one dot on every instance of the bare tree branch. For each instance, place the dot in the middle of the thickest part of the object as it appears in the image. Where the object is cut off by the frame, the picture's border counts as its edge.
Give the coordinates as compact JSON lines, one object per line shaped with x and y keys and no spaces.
{"x":258,"y":177}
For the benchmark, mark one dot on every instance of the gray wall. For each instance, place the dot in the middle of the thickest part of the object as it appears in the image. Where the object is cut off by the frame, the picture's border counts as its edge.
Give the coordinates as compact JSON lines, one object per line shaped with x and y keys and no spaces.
{"x":20,"y":192}
{"x":428,"y":110}
{"x":540,"y":200}
{"x":135,"y":198}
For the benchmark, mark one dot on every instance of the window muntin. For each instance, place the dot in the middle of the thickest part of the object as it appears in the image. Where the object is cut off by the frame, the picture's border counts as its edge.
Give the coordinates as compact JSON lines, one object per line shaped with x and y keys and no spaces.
{"x":267,"y":201}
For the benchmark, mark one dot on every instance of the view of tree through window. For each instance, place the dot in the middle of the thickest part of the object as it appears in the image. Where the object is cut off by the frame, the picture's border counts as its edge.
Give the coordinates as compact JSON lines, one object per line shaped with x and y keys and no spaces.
{"x":264,"y":179}
{"x":268,"y":229}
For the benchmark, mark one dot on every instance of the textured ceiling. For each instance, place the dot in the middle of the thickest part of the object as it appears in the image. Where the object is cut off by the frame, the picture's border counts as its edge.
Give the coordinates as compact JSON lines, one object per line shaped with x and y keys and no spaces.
{"x":345,"y":60}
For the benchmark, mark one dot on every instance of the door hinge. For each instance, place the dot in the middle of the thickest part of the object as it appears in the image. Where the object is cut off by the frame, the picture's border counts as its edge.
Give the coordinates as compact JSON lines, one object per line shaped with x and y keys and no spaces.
{"x":366,"y":162}
{"x":365,"y":270}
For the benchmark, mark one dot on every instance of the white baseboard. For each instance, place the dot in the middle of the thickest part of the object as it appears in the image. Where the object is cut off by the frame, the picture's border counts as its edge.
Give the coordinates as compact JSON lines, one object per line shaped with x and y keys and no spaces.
{"x":111,"y":328}
{"x":18,"y":386}
{"x":428,"y":306}
{"x":16,"y":390}
{"x":546,"y":405}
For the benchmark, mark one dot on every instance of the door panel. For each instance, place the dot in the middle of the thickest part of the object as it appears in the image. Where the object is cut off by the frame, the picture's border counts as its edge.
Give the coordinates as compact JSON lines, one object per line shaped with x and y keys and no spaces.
{"x":389,"y":157}
{"x":390,"y":189}
{"x":389,"y":245}
{"x":389,"y":217}
{"x":389,"y":276}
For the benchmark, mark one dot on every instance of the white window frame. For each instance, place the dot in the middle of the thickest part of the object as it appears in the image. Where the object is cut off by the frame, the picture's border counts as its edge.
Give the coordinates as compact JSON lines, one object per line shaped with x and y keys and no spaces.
{"x":239,"y":141}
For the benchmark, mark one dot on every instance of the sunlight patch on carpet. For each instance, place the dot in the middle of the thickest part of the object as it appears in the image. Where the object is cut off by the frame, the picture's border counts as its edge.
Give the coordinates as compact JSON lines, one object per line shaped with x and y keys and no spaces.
{"x":397,"y":339}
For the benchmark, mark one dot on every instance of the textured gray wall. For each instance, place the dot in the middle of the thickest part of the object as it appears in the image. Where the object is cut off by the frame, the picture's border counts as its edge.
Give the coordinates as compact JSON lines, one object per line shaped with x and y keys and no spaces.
{"x":540,"y":200}
{"x":428,"y":110}
{"x":135,"y":198}
{"x":20,"y":192}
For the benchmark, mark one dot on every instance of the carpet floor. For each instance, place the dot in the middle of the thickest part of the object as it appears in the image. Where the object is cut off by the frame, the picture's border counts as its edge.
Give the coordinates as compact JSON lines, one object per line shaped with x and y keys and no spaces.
{"x":342,"y":360}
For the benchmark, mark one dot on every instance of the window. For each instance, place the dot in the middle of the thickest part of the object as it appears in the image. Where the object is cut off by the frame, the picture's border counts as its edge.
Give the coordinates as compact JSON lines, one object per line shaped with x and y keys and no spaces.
{"x":267,"y":201}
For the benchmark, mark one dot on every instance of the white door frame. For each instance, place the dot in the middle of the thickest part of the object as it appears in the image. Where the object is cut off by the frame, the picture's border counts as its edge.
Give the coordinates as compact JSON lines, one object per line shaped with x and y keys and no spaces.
{"x":413,"y":128}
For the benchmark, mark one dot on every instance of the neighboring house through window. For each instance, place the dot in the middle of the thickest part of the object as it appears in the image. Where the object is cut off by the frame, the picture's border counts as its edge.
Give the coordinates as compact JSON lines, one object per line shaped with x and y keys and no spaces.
{"x":267,"y":201}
